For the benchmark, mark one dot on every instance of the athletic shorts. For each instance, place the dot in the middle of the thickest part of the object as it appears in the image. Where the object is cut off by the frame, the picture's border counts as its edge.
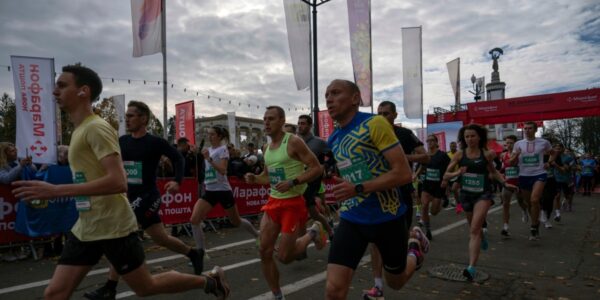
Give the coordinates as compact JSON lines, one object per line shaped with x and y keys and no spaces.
{"x":145,"y":207}
{"x":468,"y":200}
{"x":125,"y":254}
{"x":312,"y":189}
{"x":527,"y":182}
{"x":433,"y":188}
{"x":350,"y":241}
{"x":406,"y":192}
{"x":223,"y":197}
{"x":290,"y":213}
{"x":566,"y":188}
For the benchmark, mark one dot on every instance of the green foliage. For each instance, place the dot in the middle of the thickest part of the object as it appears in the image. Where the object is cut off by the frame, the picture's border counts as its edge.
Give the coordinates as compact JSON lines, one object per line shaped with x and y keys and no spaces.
{"x":8,"y":121}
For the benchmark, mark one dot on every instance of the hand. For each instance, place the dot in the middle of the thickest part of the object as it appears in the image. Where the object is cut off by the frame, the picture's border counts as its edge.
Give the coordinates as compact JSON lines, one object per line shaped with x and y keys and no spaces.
{"x":462,"y":170}
{"x":250,"y":178}
{"x":206,"y":154}
{"x":343,"y":190}
{"x":444,"y":184}
{"x":172,"y":187}
{"x":283,"y":186}
{"x":511,"y":187}
{"x":34,"y":189}
{"x":25,"y":161}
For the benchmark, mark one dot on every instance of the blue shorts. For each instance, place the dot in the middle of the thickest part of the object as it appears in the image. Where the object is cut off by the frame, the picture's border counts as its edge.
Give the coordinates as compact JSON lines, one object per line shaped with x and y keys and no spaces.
{"x":527,"y":182}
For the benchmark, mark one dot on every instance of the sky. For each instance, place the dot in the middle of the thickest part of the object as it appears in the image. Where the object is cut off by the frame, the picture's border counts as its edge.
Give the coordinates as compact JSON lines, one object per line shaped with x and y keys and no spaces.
{"x":238,"y":50}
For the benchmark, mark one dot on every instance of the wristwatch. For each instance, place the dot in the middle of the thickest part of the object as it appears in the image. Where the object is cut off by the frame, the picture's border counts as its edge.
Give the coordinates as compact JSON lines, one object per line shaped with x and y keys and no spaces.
{"x":359,"y":188}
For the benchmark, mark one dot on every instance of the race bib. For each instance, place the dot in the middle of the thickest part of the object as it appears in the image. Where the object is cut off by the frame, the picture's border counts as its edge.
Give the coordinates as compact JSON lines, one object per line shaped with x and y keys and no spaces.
{"x":276,"y":175}
{"x":210,"y":175}
{"x":355,"y":171}
{"x":531,"y":160}
{"x":511,"y":172}
{"x":433,"y":174}
{"x":134,"y":172}
{"x":471,"y":182}
{"x":587,"y":170}
{"x":82,"y":203}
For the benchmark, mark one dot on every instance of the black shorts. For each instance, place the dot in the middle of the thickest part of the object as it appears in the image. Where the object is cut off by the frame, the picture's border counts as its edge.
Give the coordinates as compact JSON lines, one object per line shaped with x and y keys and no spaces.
{"x":350,"y":241}
{"x":312,"y":189}
{"x":146,"y":207}
{"x":406,"y":192}
{"x":433,"y":188}
{"x":468,"y":200}
{"x":223,"y":197}
{"x":125,"y":254}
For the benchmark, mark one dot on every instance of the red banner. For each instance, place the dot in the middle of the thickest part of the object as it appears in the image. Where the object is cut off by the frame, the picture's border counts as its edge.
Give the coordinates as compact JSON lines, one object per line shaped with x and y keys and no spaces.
{"x":177,"y":208}
{"x":184,"y":121}
{"x":441,"y":137}
{"x":538,"y":123}
{"x":325,"y":124}
{"x":8,"y":215}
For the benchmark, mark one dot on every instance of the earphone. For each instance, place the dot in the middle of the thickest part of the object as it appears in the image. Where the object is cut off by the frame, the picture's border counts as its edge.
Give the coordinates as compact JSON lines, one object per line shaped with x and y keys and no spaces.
{"x":81,"y":94}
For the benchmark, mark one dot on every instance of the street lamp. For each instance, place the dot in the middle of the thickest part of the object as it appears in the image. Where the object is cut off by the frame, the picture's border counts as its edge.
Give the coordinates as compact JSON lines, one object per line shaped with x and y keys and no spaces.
{"x":477,"y":87}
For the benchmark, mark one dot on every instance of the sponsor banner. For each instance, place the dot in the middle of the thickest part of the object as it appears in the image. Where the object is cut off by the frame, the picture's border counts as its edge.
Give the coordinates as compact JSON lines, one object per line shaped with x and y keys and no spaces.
{"x":297,"y":21}
{"x":446,"y":132}
{"x":177,"y":208}
{"x":359,"y":19}
{"x":8,"y":215}
{"x":412,"y":72}
{"x":454,"y":74}
{"x":325,"y":124}
{"x":249,"y":198}
{"x":119,"y":103}
{"x":35,"y":108}
{"x":539,"y":124}
{"x":184,"y":122}
{"x":45,"y":218}
{"x":575,"y":100}
{"x":146,"y":21}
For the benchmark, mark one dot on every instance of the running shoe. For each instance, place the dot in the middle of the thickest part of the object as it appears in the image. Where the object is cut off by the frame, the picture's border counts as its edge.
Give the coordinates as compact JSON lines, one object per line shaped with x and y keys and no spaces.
{"x":505,"y":233}
{"x":320,"y":238}
{"x":484,"y":242}
{"x":524,"y":216}
{"x":543,"y":218}
{"x":373,"y":294}
{"x":417,"y":253}
{"x":469,"y":273}
{"x":547,"y":225}
{"x":534,"y":234}
{"x":101,"y":293}
{"x":557,"y":218}
{"x":220,"y":288}
{"x":198,"y":261}
{"x":459,"y":208}
{"x":422,"y":238}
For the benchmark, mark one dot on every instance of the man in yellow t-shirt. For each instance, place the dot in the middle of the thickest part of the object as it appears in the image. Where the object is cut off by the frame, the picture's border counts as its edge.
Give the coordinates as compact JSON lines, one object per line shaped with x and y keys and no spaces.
{"x":106,"y":224}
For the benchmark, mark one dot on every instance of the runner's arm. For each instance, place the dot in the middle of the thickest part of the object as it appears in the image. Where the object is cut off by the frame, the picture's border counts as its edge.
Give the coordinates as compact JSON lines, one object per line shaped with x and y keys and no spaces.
{"x":419,"y":155}
{"x":301,"y":152}
{"x":453,"y":163}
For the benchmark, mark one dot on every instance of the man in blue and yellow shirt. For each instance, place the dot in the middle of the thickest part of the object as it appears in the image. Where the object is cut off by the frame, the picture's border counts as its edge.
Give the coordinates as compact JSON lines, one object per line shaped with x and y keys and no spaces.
{"x":372,"y":166}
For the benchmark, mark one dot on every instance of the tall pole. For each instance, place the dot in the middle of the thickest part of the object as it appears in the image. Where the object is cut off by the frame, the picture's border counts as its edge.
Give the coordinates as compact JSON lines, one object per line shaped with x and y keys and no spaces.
{"x":164,"y":54}
{"x":315,"y":89}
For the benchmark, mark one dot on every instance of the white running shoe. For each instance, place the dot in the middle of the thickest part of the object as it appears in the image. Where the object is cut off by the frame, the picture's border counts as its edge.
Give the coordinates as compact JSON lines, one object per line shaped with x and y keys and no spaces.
{"x":543,"y":218}
{"x":547,"y":225}
{"x":524,"y":216}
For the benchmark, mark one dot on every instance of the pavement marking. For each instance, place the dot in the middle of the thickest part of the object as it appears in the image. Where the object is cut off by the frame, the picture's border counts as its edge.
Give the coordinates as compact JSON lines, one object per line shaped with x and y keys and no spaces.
{"x":218,"y":248}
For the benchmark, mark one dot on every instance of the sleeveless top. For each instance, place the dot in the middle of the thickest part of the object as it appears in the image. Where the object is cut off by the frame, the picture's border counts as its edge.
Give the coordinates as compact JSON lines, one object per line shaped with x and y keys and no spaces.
{"x":281,"y":167}
{"x":476,"y":179}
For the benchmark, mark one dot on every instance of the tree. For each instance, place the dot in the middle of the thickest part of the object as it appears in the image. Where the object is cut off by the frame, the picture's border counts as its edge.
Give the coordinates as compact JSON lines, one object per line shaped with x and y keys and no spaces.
{"x":171,"y":129}
{"x":566,"y":131}
{"x":8,"y":124}
{"x":590,"y":135}
{"x":108,"y":111}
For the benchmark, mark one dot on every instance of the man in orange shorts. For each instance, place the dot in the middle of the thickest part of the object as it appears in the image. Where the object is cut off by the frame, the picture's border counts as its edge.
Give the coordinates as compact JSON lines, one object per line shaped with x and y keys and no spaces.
{"x":285,"y":212}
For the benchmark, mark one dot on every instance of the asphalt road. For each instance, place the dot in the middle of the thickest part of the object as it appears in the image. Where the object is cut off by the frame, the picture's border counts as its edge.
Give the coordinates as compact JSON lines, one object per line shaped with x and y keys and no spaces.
{"x":564,"y":264}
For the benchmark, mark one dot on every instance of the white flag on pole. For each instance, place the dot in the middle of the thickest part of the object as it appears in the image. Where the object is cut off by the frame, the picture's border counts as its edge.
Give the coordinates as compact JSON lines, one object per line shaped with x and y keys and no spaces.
{"x":298,"y":29}
{"x":119,"y":103}
{"x":231,"y":128}
{"x":35,"y":108}
{"x":412,"y":72}
{"x":147,"y":26}
{"x":454,"y":73}
{"x":359,"y":19}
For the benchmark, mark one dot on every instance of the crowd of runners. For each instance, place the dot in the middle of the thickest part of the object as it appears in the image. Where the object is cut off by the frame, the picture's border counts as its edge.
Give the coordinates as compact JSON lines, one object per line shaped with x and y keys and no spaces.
{"x":381,"y":172}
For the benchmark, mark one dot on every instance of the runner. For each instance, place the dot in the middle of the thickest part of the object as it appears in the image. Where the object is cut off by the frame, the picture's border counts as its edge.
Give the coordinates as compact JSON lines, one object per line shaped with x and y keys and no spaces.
{"x":373,"y":165}
{"x":414,"y":152}
{"x":453,"y":186}
{"x":217,"y":189}
{"x":141,"y":153}
{"x":588,"y":164}
{"x":285,"y":212}
{"x":511,"y":175}
{"x":529,"y":153}
{"x":433,"y":187}
{"x":476,"y":168}
{"x":549,"y":194}
{"x":106,"y":224}
{"x":563,"y":172}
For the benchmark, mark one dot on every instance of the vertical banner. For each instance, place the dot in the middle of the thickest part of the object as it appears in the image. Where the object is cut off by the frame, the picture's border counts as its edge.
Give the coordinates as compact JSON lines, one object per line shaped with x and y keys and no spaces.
{"x":454,"y":73}
{"x":184,"y":121}
{"x":119,"y":103}
{"x":35,"y":108}
{"x":325,"y":124}
{"x":298,"y":29}
{"x":147,"y":25}
{"x":412,"y":72}
{"x":231,"y":128}
{"x":359,"y":19}
{"x":449,"y":129}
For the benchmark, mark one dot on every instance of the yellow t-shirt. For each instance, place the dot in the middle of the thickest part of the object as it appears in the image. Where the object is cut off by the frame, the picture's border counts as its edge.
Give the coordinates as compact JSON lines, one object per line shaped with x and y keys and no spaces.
{"x":110,"y":216}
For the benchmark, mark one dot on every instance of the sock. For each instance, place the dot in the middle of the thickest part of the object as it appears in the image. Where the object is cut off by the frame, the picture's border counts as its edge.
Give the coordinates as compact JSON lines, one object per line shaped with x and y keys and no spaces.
{"x":111,"y":284}
{"x":557,"y":212}
{"x":198,"y":234}
{"x":506,"y":226}
{"x":248,"y":227}
{"x":379,"y":283}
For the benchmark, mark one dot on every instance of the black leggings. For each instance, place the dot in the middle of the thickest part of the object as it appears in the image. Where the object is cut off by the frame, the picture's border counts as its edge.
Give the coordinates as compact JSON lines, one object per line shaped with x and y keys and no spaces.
{"x":586,"y":181}
{"x":550,"y":191}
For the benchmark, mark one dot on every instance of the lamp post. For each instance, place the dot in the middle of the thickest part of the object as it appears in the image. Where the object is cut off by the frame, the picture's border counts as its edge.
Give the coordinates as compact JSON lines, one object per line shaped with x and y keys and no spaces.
{"x":315,"y":73}
{"x":477,"y":88}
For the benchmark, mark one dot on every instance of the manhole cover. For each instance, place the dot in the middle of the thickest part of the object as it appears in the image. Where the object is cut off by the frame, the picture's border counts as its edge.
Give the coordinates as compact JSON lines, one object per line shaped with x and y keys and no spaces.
{"x":455,"y":273}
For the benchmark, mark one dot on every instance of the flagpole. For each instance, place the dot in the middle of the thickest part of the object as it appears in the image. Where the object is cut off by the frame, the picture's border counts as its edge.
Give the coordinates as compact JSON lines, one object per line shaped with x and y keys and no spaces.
{"x":421,"y":64}
{"x":371,"y":57}
{"x":163,"y":17}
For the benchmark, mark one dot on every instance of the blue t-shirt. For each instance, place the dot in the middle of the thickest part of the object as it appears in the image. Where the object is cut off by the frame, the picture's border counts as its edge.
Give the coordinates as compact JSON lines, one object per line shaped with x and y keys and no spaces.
{"x":565,"y":160}
{"x":358,"y":149}
{"x":587,"y":167}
